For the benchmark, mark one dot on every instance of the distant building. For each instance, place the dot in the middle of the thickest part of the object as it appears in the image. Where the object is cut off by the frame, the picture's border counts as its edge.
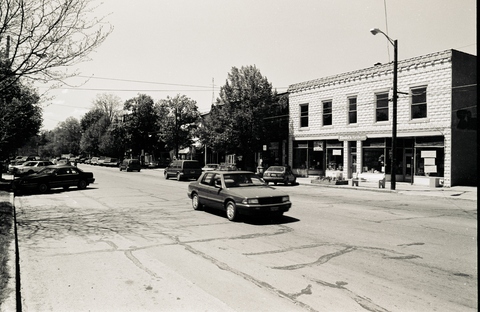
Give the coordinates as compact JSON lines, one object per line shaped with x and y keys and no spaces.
{"x":342,"y":125}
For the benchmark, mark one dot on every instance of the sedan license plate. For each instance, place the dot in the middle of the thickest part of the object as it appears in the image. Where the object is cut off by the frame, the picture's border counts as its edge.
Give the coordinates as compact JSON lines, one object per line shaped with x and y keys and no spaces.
{"x":193,"y":171}
{"x":274,"y":208}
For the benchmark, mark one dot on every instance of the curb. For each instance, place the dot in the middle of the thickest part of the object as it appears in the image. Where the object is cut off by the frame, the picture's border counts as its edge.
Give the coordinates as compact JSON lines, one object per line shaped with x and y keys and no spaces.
{"x":10,"y":302}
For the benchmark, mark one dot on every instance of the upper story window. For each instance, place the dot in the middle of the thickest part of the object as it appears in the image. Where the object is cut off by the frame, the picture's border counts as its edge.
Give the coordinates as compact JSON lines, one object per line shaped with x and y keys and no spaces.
{"x":303,"y":115}
{"x":419,"y":102}
{"x":327,"y":113}
{"x":382,"y":106}
{"x":352,"y":110}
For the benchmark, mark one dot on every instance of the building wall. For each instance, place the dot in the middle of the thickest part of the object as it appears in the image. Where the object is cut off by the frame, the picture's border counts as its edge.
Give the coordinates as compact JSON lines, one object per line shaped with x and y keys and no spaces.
{"x":464,"y":120}
{"x":433,"y":71}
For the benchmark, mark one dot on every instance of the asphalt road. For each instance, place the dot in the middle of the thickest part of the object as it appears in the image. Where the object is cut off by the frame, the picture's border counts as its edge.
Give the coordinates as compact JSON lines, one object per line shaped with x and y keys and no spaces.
{"x":132,"y":242}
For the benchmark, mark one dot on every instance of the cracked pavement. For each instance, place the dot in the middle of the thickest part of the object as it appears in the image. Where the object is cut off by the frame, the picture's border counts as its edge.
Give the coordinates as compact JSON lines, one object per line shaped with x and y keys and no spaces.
{"x":132,"y":242}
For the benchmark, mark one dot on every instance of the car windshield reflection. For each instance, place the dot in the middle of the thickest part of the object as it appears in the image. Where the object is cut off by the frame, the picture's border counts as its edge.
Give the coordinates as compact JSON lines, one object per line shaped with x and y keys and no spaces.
{"x":242,"y":180}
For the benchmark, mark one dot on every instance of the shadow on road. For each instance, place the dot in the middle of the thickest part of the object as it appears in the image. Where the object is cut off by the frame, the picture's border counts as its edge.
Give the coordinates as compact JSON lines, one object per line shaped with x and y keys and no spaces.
{"x":258,"y":220}
{"x":20,"y":193}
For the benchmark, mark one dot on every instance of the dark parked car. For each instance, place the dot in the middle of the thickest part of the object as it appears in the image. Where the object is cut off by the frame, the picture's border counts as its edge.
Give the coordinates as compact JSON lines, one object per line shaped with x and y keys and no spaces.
{"x":237,"y":192}
{"x":279,"y":174}
{"x":183,"y":169}
{"x":130,"y":165}
{"x":54,"y":177}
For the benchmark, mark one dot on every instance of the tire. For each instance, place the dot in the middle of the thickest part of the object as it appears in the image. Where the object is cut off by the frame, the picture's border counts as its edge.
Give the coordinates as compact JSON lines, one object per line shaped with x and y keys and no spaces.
{"x":120,"y":168}
{"x":231,"y":210}
{"x":66,"y":187}
{"x":43,"y":188}
{"x":196,"y":202}
{"x":30,"y":172}
{"x":274,"y":183}
{"x":179,"y":177}
{"x":82,"y":184}
{"x":165,"y":174}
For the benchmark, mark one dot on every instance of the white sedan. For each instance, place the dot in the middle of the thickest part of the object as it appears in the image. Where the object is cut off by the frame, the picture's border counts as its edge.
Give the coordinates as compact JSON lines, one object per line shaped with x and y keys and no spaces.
{"x":30,"y":167}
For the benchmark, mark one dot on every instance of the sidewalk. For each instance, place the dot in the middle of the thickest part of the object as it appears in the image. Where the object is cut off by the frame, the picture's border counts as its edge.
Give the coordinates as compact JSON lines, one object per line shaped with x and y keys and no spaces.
{"x":455,"y":192}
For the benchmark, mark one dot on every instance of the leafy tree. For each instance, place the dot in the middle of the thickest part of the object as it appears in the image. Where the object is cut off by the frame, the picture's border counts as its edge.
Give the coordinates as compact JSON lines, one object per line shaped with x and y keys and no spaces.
{"x":179,"y":117}
{"x":67,"y":137}
{"x":20,"y":117}
{"x":94,"y":125}
{"x":139,"y":123}
{"x":236,"y":124}
{"x":40,"y":38}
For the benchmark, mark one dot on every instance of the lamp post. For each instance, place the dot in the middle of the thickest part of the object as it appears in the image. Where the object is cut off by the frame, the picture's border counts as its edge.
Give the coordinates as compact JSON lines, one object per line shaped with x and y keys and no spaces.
{"x":375,"y":31}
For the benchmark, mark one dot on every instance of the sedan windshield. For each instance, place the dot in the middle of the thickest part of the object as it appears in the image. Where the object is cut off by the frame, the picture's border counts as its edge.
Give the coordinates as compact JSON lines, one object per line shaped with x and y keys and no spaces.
{"x":242,"y":180}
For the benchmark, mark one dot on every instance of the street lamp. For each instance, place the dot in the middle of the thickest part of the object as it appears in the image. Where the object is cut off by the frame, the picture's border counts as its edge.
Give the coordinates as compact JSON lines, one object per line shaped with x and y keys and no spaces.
{"x":375,"y":31}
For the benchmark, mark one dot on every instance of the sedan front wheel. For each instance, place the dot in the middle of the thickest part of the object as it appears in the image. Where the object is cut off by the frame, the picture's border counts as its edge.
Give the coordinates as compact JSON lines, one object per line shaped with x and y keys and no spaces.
{"x":232,"y":213}
{"x":82,"y":184}
{"x":196,"y":202}
{"x":43,"y":187}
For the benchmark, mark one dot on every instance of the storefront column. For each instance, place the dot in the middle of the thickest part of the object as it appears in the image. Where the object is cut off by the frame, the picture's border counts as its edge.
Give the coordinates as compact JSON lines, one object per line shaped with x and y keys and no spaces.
{"x":290,"y":151}
{"x":346,"y":159}
{"x":359,"y":157}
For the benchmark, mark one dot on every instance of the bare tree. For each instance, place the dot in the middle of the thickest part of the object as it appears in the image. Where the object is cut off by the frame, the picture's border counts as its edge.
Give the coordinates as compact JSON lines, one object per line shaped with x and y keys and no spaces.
{"x":110,"y":104}
{"x":39,"y":38}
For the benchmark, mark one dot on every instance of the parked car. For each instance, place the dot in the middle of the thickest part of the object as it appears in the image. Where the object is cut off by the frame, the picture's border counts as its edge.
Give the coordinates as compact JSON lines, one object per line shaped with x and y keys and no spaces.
{"x":227,"y":167}
{"x":279,"y":174}
{"x":54,"y":177}
{"x":94,"y":161}
{"x":19,"y":160}
{"x":130,"y":165}
{"x":30,"y":167}
{"x":153,"y":164}
{"x":111,"y":162}
{"x":237,"y":193}
{"x":210,"y":167}
{"x":100,"y":161}
{"x":183,"y":169}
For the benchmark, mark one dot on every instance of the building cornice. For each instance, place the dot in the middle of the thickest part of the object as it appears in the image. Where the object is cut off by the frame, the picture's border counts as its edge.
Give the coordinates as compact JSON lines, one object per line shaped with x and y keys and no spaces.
{"x":377,"y":70}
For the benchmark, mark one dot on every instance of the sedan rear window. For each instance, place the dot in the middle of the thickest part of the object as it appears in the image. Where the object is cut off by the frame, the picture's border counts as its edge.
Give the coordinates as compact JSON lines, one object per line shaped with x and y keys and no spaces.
{"x":276,"y":168}
{"x":191,"y":165}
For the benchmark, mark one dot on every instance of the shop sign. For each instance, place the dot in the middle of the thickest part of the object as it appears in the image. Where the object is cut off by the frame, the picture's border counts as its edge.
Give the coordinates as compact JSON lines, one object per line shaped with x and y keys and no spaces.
{"x":318,"y":146}
{"x":429,"y":154}
{"x":337,"y":152}
{"x":352,"y":138}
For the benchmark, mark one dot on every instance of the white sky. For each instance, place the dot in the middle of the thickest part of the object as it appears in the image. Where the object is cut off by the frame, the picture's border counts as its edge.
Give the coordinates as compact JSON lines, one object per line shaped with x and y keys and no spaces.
{"x":180,"y":46}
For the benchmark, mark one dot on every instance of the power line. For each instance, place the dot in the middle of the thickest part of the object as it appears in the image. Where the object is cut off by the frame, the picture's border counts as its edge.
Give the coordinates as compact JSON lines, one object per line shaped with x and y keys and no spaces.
{"x":141,"y":81}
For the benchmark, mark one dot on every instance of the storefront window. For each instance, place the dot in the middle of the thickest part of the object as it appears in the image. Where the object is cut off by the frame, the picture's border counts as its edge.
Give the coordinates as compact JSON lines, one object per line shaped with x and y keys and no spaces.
{"x":300,"y":153}
{"x":334,"y":155}
{"x":373,"y":160}
{"x":429,"y":162}
{"x":429,"y":156}
{"x":308,"y":155}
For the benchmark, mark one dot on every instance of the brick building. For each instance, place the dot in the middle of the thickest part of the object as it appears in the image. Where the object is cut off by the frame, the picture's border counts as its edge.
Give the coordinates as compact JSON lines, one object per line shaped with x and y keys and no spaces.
{"x":341,"y":125}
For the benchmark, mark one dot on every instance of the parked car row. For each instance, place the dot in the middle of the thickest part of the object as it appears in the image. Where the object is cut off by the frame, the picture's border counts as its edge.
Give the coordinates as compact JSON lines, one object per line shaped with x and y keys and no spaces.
{"x":233,"y":191}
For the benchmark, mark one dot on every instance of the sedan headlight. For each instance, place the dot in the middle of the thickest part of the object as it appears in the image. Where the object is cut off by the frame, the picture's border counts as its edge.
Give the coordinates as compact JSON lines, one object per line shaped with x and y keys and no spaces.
{"x":249,"y":201}
{"x":285,"y":199}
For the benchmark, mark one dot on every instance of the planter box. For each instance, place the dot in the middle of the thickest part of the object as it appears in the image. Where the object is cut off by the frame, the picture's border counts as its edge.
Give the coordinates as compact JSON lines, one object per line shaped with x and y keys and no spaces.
{"x":332,"y":182}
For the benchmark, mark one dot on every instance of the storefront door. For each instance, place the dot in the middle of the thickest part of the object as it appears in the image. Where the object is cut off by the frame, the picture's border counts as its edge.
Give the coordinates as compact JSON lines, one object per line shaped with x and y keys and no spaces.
{"x":408,"y":165}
